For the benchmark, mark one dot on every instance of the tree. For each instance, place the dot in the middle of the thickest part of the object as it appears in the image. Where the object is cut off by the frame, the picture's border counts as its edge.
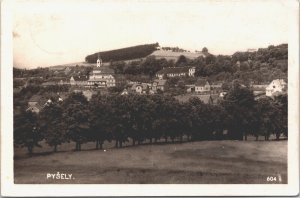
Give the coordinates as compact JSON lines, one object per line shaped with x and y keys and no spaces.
{"x":75,"y":116}
{"x":204,"y":50}
{"x":239,"y":104}
{"x":265,"y":125}
{"x":282,"y":106}
{"x":119,"y":119}
{"x":196,"y":118}
{"x":26,"y":131}
{"x":100,"y":120}
{"x":52,"y":126}
{"x":151,"y":65}
{"x":182,"y":61}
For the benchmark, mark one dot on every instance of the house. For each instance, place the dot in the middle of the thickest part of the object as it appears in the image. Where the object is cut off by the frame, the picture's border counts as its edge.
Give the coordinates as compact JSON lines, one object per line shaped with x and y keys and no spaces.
{"x":222,"y":94}
{"x":190,"y":88}
{"x":102,"y":76}
{"x":202,"y":86}
{"x":140,"y":88}
{"x":258,"y":89}
{"x":278,"y":85}
{"x":124,"y":92}
{"x":175,"y":72}
{"x":158,"y":84}
{"x":80,"y":80}
{"x":36,"y":103}
{"x":67,"y":70}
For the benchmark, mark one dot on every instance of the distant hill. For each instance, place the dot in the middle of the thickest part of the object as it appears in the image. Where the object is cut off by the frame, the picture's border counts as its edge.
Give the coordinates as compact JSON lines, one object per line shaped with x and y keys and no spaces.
{"x":123,"y":54}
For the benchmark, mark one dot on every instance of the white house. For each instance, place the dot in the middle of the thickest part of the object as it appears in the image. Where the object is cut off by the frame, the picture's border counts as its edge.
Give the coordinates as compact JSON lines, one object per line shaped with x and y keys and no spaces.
{"x":276,"y":86}
{"x":202,"y":86}
{"x":175,"y":72}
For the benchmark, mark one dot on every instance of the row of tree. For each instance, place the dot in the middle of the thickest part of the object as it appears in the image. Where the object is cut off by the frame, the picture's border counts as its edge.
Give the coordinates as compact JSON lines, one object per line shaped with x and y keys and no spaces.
{"x":139,"y":118}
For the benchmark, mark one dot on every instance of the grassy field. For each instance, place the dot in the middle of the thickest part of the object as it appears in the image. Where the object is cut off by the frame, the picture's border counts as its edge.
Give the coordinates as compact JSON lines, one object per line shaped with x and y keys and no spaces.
{"x":169,"y":55}
{"x":205,"y":162}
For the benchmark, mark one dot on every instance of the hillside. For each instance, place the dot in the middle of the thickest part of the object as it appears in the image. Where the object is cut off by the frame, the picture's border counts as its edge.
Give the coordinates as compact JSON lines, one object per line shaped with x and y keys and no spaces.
{"x":170,"y":55}
{"x":128,"y":53}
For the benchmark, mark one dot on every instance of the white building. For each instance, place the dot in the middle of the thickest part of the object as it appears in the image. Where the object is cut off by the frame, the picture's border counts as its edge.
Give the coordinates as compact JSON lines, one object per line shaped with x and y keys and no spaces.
{"x":278,"y":85}
{"x":101,"y":76}
{"x":176,"y":72}
{"x":202,"y":86}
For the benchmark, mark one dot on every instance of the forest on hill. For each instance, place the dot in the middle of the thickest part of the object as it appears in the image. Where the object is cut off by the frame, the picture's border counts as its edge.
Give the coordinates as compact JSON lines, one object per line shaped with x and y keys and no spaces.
{"x":128,"y":53}
{"x":261,"y":66}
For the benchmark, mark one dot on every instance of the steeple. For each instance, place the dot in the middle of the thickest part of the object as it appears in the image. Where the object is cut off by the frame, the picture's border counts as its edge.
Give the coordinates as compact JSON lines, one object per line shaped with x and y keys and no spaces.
{"x":99,"y":61}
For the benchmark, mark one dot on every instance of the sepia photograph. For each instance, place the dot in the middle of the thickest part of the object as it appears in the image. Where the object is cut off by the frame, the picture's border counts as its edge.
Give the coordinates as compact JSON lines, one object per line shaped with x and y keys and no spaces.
{"x":152,"y":92}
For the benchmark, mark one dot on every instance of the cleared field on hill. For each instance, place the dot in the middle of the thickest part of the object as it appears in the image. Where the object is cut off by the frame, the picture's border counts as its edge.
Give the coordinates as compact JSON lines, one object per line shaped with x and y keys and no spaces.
{"x":223,"y":162}
{"x":169,"y":55}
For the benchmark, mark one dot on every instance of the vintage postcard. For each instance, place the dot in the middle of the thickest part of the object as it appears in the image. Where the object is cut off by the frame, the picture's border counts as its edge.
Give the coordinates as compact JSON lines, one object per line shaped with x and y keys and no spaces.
{"x":149,"y":98}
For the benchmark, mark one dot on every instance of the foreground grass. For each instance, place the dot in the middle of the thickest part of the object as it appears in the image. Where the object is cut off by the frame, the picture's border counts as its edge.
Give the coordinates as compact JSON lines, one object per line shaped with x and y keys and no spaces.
{"x":223,"y":162}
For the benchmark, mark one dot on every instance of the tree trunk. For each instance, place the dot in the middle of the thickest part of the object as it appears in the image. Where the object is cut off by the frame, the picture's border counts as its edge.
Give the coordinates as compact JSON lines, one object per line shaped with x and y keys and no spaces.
{"x":120,"y":143}
{"x":79,"y":146}
{"x":55,"y":148}
{"x":101,"y":145}
{"x":97,"y":144}
{"x":30,"y":148}
{"x":277,"y":136}
{"x":150,"y":140}
{"x":246,"y":136}
{"x":166,"y":139}
{"x":133,"y":142}
{"x":155,"y":140}
{"x":256,"y":137}
{"x":116,"y":144}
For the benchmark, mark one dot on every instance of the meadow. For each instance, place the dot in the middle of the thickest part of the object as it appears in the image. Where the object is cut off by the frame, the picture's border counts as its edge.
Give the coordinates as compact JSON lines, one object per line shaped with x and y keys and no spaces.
{"x":202,"y":162}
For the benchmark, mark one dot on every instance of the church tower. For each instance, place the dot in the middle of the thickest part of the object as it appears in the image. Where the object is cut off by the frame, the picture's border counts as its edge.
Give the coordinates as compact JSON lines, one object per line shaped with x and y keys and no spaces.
{"x":99,"y":61}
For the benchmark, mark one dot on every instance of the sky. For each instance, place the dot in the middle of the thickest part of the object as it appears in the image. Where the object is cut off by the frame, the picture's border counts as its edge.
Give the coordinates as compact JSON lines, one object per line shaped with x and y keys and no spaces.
{"x":47,"y":33}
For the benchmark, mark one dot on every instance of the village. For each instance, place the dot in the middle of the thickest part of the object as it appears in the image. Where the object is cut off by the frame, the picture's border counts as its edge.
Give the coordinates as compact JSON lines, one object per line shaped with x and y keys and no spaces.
{"x":101,"y":78}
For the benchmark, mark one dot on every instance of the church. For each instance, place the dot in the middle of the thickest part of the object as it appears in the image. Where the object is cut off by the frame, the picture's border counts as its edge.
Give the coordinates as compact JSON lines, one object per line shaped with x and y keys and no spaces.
{"x":101,"y":76}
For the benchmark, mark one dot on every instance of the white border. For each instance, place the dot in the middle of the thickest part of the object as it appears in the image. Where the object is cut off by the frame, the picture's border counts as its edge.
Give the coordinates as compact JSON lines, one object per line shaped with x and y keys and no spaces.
{"x":8,"y":188}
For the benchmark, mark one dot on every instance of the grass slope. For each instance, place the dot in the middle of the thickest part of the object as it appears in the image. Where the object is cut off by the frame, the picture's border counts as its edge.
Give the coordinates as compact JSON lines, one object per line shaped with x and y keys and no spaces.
{"x":223,"y":162}
{"x":169,"y":55}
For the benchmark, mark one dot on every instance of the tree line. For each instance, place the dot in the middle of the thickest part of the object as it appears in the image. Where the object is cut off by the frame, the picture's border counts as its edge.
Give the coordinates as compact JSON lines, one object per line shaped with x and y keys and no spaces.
{"x":140,"y":118}
{"x":128,"y":53}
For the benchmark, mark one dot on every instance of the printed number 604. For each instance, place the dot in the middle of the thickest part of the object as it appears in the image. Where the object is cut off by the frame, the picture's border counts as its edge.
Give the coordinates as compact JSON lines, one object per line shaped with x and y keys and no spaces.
{"x":270,"y":179}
